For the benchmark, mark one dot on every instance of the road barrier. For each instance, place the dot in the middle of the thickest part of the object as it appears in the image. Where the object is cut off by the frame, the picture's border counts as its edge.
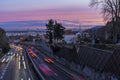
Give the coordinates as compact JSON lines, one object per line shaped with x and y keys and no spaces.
{"x":35,"y":69}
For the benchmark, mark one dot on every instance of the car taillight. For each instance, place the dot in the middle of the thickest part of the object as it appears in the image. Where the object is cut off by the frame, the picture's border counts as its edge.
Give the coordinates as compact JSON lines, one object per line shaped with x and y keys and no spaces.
{"x":43,"y":69}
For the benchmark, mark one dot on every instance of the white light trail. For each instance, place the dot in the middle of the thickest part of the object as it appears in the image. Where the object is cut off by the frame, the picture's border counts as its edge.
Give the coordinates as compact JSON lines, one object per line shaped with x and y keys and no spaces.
{"x":21,"y":78}
{"x":19,"y":64}
{"x":19,"y":58}
{"x":24,"y":65}
{"x":3,"y":60}
{"x":23,"y":58}
{"x":29,"y":79}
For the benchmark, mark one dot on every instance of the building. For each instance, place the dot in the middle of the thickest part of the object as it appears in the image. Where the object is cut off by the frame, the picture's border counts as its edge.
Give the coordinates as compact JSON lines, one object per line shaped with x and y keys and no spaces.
{"x":101,"y":33}
{"x":24,"y":33}
{"x":69,"y":37}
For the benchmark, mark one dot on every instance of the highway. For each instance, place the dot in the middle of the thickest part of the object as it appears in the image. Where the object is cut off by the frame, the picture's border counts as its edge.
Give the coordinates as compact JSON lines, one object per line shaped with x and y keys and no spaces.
{"x":29,"y":64}
{"x":14,"y":66}
{"x":49,"y":71}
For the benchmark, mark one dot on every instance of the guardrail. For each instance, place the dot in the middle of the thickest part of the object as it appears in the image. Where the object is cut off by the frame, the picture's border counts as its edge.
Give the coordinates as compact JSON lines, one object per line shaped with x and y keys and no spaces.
{"x":40,"y":75}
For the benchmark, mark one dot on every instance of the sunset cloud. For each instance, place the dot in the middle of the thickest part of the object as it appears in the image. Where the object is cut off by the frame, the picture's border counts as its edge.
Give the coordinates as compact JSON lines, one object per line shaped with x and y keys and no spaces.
{"x":70,"y":14}
{"x":81,"y":16}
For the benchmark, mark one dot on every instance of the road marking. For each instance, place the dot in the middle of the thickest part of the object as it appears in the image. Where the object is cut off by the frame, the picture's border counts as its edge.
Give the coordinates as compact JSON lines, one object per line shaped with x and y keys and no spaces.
{"x":21,"y":52}
{"x":24,"y":65}
{"x":3,"y":60}
{"x":19,"y":58}
{"x":7,"y":59}
{"x":17,"y":54}
{"x":13,"y":54}
{"x":19,"y":64}
{"x":1,"y":77}
{"x":23,"y":58}
{"x":21,"y":78}
{"x":78,"y":50}
{"x":11,"y":57}
{"x":3,"y":73}
{"x":29,"y":79}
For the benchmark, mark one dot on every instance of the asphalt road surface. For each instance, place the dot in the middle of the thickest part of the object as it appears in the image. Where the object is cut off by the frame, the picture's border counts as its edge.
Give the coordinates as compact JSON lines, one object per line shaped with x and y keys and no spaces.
{"x":49,"y":71}
{"x":14,"y":66}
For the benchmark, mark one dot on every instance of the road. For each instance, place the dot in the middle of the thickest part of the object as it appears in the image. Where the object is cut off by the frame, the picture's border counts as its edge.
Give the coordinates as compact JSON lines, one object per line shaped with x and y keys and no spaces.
{"x":14,"y":66}
{"x":49,"y":71}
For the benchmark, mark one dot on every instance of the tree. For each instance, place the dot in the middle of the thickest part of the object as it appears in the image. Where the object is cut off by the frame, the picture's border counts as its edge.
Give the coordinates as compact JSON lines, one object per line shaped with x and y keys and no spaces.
{"x":58,"y":31}
{"x":4,"y":43}
{"x":49,"y":33}
{"x":55,"y":31}
{"x":111,"y":12}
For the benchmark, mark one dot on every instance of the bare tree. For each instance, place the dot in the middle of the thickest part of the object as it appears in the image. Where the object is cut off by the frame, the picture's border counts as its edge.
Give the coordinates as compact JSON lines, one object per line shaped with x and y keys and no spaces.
{"x":111,"y":12}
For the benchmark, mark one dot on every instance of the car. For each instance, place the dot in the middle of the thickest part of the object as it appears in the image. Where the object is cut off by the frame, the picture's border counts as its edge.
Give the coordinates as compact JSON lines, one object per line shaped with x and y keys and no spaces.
{"x":10,"y":53}
{"x":46,"y":70}
{"x":33,"y":54}
{"x":29,"y":50}
{"x":48,"y":60}
{"x":7,"y":59}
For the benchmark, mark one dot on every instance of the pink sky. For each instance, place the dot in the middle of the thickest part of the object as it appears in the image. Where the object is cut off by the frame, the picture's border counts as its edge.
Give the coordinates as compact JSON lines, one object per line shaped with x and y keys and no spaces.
{"x":74,"y":11}
{"x":86,"y":17}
